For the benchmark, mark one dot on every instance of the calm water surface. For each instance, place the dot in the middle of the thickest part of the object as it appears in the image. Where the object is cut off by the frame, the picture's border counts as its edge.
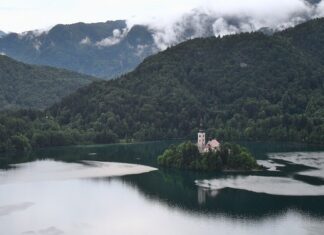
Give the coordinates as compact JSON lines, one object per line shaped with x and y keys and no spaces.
{"x":46,"y":192}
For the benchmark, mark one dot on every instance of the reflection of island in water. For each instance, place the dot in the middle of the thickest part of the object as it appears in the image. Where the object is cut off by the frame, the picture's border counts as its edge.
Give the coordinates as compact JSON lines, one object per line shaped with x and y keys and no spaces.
{"x":178,"y":189}
{"x":203,"y":193}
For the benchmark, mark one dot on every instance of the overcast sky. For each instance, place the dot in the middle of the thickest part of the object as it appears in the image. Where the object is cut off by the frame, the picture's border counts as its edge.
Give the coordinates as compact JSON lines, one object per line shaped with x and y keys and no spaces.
{"x":23,"y":15}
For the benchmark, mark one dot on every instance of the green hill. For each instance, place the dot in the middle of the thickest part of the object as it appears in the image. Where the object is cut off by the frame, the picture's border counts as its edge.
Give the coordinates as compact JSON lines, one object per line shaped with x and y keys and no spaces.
{"x":30,"y":86}
{"x":308,"y":37}
{"x":248,"y":86}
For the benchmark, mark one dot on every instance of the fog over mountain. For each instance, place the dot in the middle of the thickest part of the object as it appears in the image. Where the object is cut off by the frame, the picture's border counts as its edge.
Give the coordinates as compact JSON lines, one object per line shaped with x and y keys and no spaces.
{"x":229,"y":17}
{"x":112,"y":48}
{"x":2,"y":34}
{"x":101,"y":49}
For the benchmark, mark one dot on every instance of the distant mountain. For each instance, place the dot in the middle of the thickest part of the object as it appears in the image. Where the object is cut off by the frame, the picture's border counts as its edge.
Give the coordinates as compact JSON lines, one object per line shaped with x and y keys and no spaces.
{"x":101,"y":49}
{"x":248,"y":86}
{"x":2,"y":34}
{"x":113,"y":48}
{"x":38,"y":87}
{"x":313,"y":1}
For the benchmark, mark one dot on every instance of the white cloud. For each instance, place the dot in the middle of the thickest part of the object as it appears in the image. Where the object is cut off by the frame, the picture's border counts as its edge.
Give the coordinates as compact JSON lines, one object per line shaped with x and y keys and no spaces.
{"x":117,"y":36}
{"x":140,"y":49}
{"x":85,"y":41}
{"x":320,"y":9}
{"x":224,"y":17}
{"x":221,"y":27}
{"x":37,"y":44}
{"x":106,"y":42}
{"x":171,"y":19}
{"x":17,"y":15}
{"x":117,"y":33}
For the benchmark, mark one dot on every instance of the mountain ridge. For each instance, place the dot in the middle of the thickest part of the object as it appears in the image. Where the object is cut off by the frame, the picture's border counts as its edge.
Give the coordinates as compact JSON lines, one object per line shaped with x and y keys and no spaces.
{"x":2,"y":34}
{"x":248,"y":86}
{"x":97,"y":49}
{"x":110,"y":49}
{"x":250,"y":70}
{"x":35,"y":86}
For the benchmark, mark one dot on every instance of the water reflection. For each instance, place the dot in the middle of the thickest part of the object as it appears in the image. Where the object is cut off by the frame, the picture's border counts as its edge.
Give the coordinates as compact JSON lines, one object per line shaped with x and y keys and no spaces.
{"x":99,"y":206}
{"x":165,"y":199}
{"x":203,"y":193}
{"x":140,"y":153}
{"x":178,"y":190}
{"x":50,"y":170}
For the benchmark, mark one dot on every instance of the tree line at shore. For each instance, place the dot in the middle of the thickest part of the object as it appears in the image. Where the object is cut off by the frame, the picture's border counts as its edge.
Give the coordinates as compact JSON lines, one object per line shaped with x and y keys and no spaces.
{"x":245,"y":87}
{"x":228,"y":157}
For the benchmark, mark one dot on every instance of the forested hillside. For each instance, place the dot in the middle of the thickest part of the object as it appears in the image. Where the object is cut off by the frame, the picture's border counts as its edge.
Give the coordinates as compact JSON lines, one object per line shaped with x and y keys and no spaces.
{"x":30,"y":86}
{"x":308,"y":37}
{"x":248,"y":86}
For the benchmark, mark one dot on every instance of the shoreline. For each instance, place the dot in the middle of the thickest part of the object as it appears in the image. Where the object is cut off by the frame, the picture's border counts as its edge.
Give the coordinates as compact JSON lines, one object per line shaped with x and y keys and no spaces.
{"x":51,"y":170}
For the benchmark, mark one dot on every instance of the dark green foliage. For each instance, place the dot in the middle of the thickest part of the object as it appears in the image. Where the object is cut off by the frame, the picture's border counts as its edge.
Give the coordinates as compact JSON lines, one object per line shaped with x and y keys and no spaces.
{"x":187,"y":156}
{"x":248,"y":86}
{"x":30,"y":86}
{"x":106,"y":137}
{"x":20,"y":142}
{"x":22,"y":130}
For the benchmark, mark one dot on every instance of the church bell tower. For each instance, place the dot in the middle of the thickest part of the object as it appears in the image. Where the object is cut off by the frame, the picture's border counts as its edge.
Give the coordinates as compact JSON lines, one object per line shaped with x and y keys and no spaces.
{"x":201,"y":139}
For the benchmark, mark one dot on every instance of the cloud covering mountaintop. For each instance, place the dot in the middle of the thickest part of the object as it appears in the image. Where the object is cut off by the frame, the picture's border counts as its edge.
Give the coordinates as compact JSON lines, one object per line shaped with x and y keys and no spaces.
{"x":213,"y":17}
{"x":223,"y":17}
{"x":112,"y":48}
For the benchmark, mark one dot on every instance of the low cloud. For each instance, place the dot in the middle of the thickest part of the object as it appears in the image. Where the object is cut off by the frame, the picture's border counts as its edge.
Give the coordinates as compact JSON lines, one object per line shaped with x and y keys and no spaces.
{"x":320,"y":9}
{"x":85,"y":41}
{"x":117,"y":36}
{"x":37,"y":45}
{"x":208,"y":18}
{"x":223,"y":17}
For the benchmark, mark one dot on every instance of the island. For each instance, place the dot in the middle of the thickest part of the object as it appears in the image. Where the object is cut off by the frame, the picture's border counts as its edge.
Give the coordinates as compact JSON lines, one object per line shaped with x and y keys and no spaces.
{"x":212,"y":156}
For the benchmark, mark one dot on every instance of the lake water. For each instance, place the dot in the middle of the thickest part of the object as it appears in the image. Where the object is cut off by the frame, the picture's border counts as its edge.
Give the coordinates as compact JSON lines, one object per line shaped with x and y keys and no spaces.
{"x":79,"y":190}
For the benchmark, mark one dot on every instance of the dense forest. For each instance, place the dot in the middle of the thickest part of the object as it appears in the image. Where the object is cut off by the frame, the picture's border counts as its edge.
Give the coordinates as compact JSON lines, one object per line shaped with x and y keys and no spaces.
{"x":245,"y":87}
{"x":31,"y":86}
{"x":227,"y":157}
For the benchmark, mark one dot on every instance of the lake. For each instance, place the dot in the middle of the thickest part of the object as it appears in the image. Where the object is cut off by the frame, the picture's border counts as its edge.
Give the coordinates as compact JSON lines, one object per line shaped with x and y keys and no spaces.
{"x":116,"y":189}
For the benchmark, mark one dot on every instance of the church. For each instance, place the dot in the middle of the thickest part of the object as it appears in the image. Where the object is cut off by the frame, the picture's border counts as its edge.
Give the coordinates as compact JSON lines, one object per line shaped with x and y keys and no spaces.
{"x":212,"y":145}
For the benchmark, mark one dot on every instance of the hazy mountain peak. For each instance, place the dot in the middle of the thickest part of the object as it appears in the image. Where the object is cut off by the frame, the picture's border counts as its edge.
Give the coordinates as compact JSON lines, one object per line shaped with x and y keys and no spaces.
{"x":2,"y":34}
{"x":218,"y":19}
{"x":313,"y":1}
{"x":108,"y":49}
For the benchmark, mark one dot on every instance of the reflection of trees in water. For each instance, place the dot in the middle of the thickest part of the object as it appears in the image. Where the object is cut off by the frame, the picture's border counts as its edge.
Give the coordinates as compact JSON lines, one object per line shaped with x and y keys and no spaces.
{"x":177,"y":189}
{"x":140,"y":153}
{"x":15,"y":158}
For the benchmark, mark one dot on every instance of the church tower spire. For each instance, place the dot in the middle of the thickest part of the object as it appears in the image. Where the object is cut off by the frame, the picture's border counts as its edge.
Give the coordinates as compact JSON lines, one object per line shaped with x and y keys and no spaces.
{"x":201,"y":138}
